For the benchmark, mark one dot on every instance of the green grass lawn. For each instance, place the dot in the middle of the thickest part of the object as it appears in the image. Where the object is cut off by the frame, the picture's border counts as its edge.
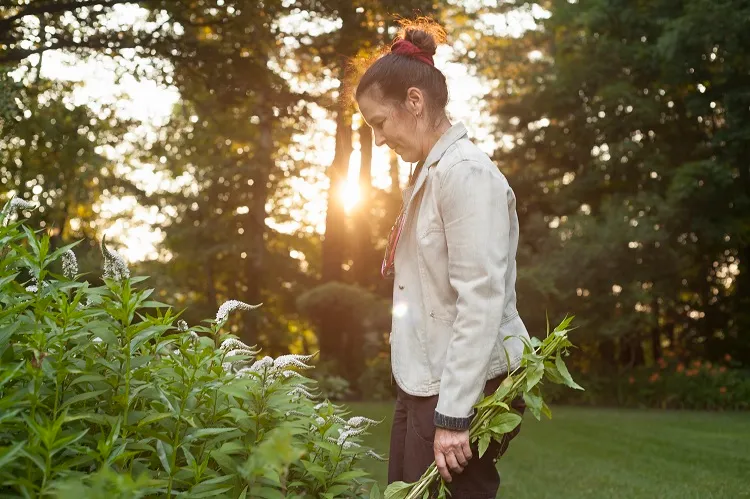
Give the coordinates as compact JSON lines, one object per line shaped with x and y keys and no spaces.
{"x":613,"y":453}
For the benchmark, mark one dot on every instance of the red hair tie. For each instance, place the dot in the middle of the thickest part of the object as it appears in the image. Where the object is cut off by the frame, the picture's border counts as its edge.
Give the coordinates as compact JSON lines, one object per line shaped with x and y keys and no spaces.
{"x":405,"y":47}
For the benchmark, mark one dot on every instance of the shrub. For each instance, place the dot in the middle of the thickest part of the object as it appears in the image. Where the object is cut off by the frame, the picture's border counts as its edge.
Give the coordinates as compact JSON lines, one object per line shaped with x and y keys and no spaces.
{"x":329,"y":384}
{"x":376,"y":382}
{"x":671,"y":383}
{"x":105,"y":392}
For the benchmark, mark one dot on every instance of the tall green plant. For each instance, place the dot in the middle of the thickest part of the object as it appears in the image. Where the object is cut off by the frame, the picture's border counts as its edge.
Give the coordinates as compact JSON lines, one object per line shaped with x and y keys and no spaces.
{"x":105,"y":391}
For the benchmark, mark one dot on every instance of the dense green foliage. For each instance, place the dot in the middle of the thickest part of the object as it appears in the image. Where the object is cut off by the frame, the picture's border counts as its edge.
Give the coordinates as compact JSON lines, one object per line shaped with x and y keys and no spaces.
{"x":103,"y":391}
{"x":629,"y":125}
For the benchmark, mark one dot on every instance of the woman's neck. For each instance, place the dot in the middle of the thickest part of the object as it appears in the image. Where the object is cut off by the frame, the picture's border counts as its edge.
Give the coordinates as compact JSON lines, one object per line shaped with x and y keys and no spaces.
{"x":441,"y":127}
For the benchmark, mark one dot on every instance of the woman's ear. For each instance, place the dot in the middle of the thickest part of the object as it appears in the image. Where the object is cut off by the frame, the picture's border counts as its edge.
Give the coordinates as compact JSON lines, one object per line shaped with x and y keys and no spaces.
{"x":415,"y":101}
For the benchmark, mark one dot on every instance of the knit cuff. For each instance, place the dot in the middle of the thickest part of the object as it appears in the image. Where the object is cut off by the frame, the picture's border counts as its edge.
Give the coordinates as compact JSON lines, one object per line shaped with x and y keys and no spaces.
{"x":451,"y":422}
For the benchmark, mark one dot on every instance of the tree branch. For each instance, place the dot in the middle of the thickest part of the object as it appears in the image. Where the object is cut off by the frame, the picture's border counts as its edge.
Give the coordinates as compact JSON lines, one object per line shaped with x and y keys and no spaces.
{"x":5,"y":24}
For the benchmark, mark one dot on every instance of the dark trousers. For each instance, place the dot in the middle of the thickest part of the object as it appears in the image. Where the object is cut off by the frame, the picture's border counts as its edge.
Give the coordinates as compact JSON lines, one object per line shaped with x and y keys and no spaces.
{"x":412,"y":452}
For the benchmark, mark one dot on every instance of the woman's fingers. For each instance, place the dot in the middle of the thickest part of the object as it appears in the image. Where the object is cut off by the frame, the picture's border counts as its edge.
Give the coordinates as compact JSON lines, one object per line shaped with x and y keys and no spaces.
{"x":442,"y":467}
{"x":466,"y":450}
{"x":452,"y":461}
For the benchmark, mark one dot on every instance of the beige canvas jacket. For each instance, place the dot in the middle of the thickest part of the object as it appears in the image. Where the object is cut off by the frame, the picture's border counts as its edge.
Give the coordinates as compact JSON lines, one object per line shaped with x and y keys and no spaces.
{"x":454,"y":300}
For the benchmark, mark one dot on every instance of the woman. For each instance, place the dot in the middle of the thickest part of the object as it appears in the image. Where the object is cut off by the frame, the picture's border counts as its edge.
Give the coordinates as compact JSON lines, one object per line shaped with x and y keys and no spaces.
{"x":452,"y":256}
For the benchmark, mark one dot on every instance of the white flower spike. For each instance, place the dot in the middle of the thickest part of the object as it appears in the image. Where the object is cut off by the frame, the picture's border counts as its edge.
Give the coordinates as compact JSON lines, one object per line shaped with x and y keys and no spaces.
{"x":114,"y":265}
{"x":70,"y":264}
{"x":358,"y":421}
{"x":230,"y":306}
{"x":13,"y":206}
{"x":301,"y":392}
{"x":260,"y":365}
{"x":235,"y":344}
{"x":292,"y":360}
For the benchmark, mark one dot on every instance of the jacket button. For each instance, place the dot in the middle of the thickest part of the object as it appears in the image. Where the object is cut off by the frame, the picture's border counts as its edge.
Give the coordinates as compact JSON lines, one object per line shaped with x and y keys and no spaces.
{"x":400,"y":286}
{"x":432,"y":314}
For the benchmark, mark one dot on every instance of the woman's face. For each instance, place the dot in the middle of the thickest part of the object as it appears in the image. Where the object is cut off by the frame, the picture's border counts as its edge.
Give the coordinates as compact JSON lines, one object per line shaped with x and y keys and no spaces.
{"x":394,"y":125}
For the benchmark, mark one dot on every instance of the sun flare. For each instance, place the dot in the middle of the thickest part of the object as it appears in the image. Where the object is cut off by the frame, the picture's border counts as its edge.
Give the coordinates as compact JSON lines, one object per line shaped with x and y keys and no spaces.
{"x":350,"y":195}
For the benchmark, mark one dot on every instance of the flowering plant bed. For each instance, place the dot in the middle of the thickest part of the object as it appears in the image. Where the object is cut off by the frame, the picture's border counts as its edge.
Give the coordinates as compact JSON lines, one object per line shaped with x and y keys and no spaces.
{"x":104,"y":391}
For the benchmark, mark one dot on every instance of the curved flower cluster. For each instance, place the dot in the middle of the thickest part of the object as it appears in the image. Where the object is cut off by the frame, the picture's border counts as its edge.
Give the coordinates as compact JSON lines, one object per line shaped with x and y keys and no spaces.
{"x":114,"y":265}
{"x":70,"y":264}
{"x":234,"y":347}
{"x":34,"y":287}
{"x":230,"y":306}
{"x":14,"y":205}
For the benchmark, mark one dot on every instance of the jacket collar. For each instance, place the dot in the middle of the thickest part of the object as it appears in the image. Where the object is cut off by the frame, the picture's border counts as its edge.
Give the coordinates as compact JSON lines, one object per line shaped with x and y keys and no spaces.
{"x":450,"y":137}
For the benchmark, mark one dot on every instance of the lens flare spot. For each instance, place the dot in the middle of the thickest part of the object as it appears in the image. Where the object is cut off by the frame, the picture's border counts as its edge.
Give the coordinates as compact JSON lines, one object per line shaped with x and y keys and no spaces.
{"x":400,"y":309}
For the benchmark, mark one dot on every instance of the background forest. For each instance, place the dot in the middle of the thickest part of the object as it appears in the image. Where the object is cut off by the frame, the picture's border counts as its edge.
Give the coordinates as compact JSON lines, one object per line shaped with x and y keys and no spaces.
{"x":215,"y":144}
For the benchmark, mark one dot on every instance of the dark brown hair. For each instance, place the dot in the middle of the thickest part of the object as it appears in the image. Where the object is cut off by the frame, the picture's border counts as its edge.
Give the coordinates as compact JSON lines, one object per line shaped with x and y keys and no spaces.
{"x":393,"y":74}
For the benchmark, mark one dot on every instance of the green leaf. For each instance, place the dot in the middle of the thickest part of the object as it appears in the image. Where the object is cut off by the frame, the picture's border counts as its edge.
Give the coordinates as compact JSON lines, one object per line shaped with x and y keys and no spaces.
{"x":316,"y":470}
{"x":335,"y":490}
{"x":153,"y":304}
{"x":562,"y":328}
{"x":348,"y":476}
{"x":162,"y":453}
{"x":504,"y":423}
{"x":484,"y":443}
{"x":534,"y":374}
{"x":398,"y":490}
{"x":102,"y":329}
{"x":206,"y":432}
{"x":224,"y":460}
{"x":151,"y":418}
{"x":8,"y":453}
{"x":10,"y":373}
{"x":267,"y":493}
{"x":88,"y":378}
{"x":211,"y":493}
{"x":562,"y":368}
{"x":7,"y":331}
{"x":552,"y":374}
{"x":236,"y":390}
{"x":5,"y":280}
{"x":83,"y":396}
{"x":375,"y":491}
{"x":70,"y":439}
{"x":546,"y":410}
{"x":534,"y":402}
{"x":144,"y":336}
{"x":36,"y":459}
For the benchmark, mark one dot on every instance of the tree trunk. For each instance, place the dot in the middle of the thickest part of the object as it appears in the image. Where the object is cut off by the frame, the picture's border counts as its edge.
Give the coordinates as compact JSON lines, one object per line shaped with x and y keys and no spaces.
{"x":656,"y":351}
{"x":211,"y":285}
{"x":362,"y":229}
{"x":395,"y":186}
{"x":335,"y":236}
{"x":263,"y":164}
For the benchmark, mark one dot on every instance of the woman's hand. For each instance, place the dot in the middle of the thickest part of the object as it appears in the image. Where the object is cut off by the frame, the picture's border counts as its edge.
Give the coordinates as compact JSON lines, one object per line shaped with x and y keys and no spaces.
{"x":452,"y":451}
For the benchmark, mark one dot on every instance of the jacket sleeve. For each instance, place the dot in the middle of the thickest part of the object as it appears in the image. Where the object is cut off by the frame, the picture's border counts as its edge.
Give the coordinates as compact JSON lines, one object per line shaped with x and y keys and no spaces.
{"x":473,"y":203}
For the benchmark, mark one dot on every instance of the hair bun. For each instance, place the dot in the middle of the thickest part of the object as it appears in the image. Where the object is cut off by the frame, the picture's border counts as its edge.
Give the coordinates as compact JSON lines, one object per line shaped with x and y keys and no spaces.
{"x":425,"y":33}
{"x":423,"y":40}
